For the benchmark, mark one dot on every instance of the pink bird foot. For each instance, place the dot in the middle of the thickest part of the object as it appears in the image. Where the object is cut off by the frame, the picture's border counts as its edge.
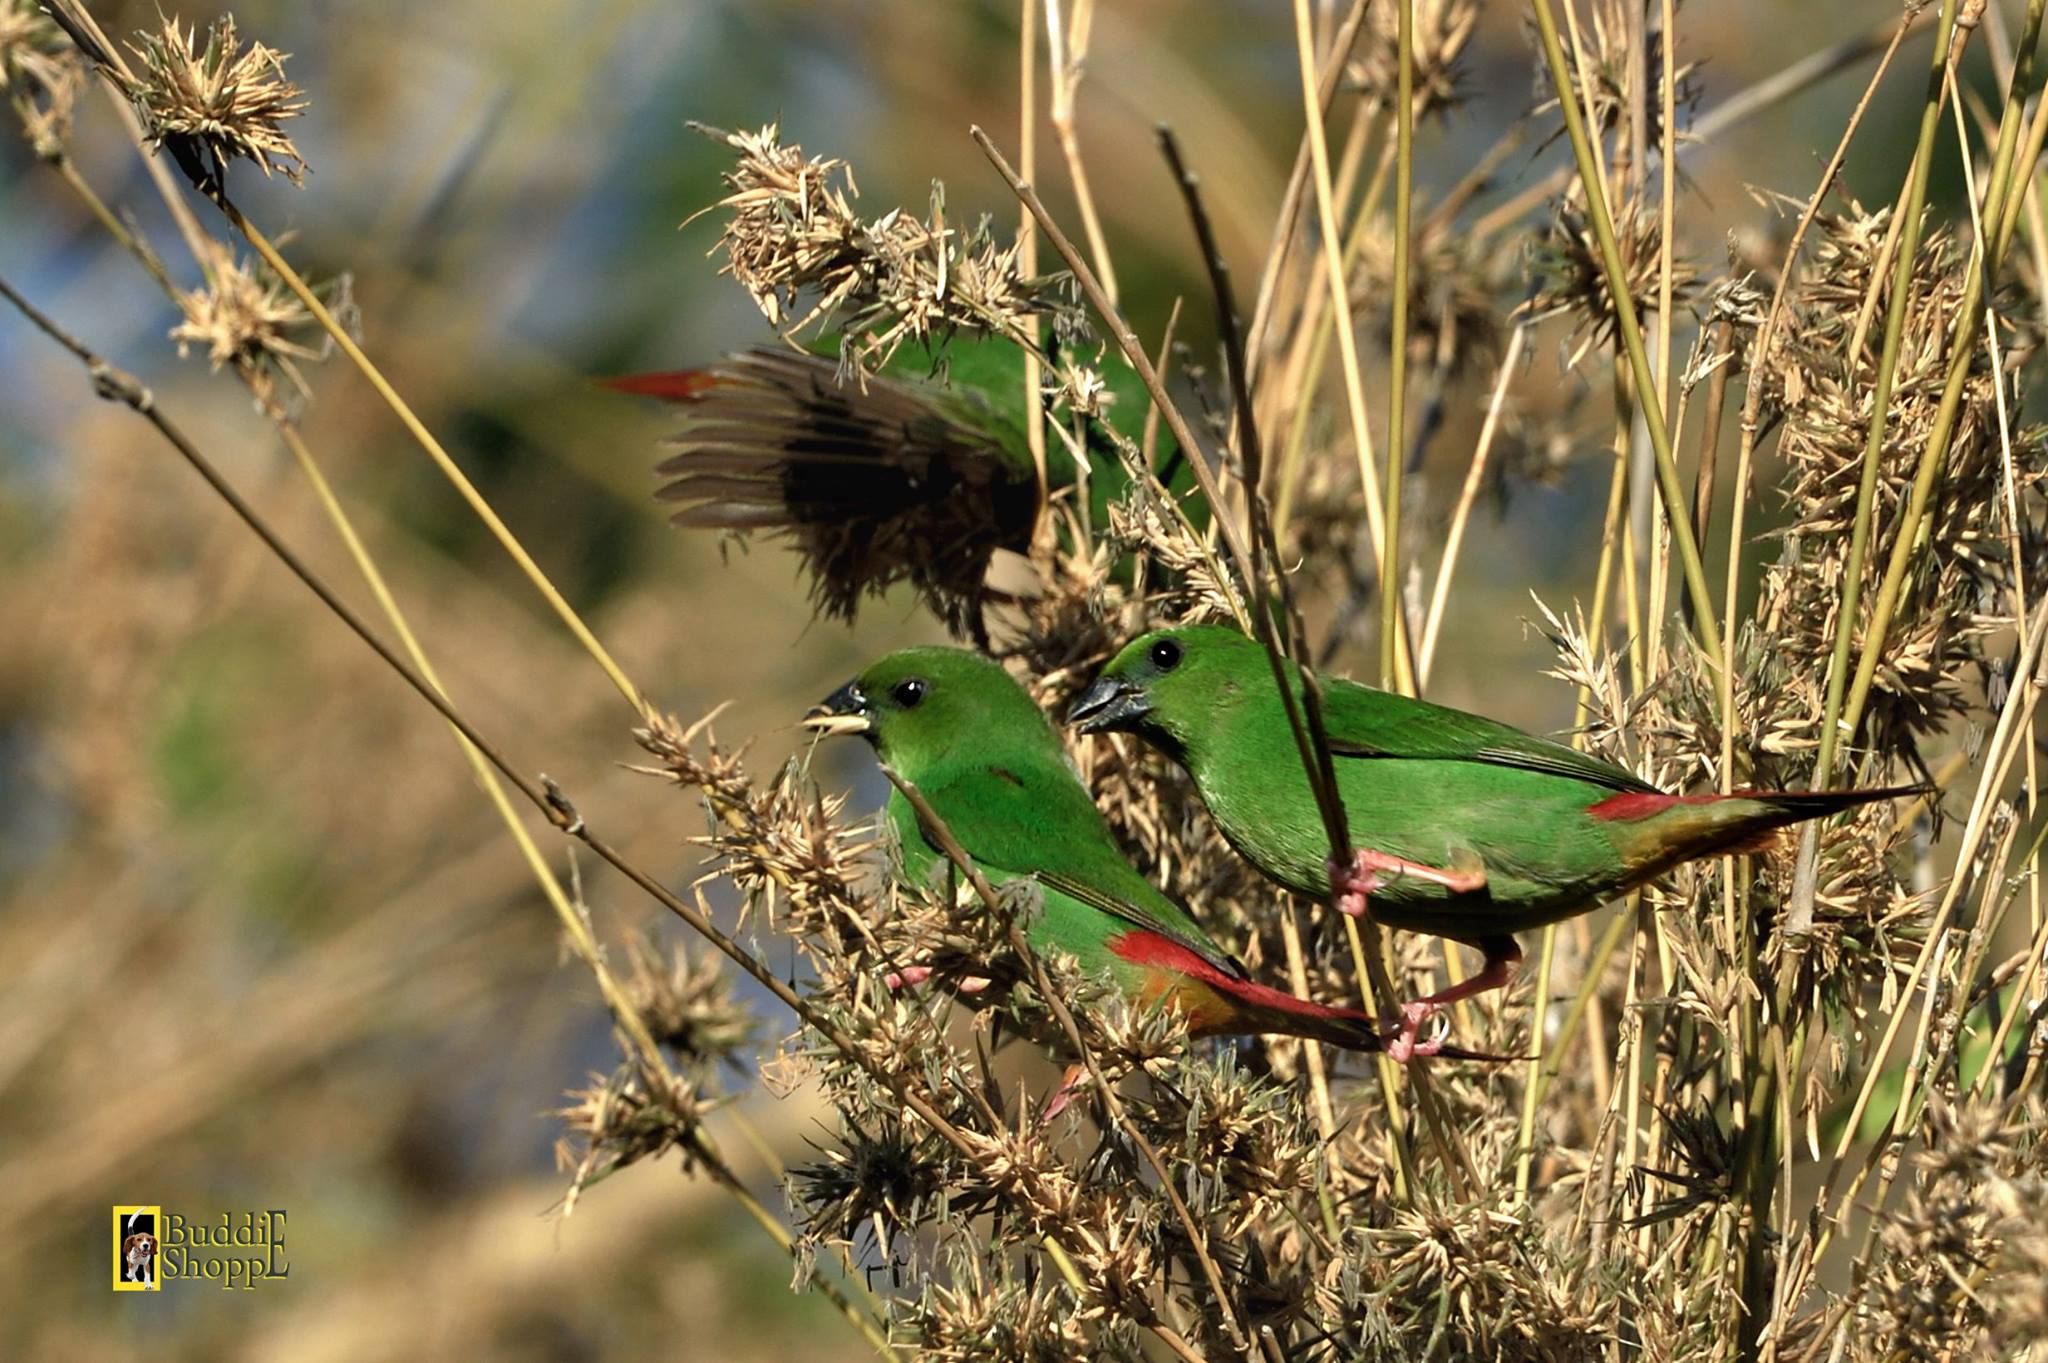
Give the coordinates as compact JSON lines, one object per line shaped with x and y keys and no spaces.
{"x":1502,"y":955}
{"x":1402,"y":1045}
{"x":1071,"y":1083}
{"x":1371,"y":872}
{"x":911,"y":976}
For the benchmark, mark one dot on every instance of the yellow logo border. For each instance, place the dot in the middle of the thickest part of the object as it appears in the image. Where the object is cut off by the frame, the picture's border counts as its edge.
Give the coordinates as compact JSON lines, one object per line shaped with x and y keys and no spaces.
{"x":156,"y":1279}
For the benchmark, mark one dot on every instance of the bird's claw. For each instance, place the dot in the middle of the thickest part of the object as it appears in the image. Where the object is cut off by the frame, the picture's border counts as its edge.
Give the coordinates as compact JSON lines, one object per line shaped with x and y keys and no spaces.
{"x":1402,"y":1045}
{"x":1354,"y":882}
{"x":1063,"y":1096}
{"x":911,"y":976}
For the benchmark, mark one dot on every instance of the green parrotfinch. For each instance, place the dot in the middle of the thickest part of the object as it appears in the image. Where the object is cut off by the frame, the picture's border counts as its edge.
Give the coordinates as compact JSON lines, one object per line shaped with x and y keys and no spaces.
{"x":919,"y":473}
{"x":959,"y":728}
{"x":1461,"y":826}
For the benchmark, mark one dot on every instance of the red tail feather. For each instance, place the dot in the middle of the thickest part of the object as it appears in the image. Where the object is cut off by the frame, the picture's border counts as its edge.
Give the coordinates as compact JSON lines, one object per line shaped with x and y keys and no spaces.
{"x":1262,"y":1008}
{"x":673,"y":385}
{"x":1631,"y":805}
{"x":1655,"y":831}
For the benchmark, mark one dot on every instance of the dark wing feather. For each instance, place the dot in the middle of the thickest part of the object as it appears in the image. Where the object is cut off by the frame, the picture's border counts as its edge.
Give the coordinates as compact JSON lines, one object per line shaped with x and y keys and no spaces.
{"x":874,"y":482}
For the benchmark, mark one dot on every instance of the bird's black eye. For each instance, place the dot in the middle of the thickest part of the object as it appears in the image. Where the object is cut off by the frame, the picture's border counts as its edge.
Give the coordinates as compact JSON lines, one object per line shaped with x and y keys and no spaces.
{"x":1165,"y":654}
{"x":908,"y":692}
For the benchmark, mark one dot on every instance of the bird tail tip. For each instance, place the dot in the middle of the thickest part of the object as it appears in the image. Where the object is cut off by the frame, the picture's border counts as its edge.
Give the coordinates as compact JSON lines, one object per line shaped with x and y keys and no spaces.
{"x":669,"y":385}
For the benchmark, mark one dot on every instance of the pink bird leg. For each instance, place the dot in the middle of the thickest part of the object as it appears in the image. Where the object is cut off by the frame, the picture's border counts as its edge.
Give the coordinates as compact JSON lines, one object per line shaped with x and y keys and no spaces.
{"x":1502,"y":955}
{"x":1071,"y":1083}
{"x":1371,"y":872}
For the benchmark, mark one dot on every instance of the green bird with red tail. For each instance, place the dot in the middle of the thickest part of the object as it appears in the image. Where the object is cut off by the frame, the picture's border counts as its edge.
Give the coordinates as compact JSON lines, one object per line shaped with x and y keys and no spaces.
{"x":988,"y":762}
{"x":1462,"y":827}
{"x":918,"y":473}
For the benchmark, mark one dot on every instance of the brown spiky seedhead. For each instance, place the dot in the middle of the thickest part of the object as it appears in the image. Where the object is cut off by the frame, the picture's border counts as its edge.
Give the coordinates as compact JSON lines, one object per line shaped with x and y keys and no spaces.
{"x":1938,"y":652}
{"x":873,"y":482}
{"x":889,"y":1176}
{"x":687,"y":1002}
{"x":1454,"y":285}
{"x":1201,"y":588}
{"x":636,"y":1112}
{"x":218,"y":101}
{"x":983,"y":1308}
{"x":1616,"y":66}
{"x":1442,"y":28}
{"x":1571,"y":280}
{"x":245,"y":318}
{"x":41,"y":76}
{"x":797,"y":245}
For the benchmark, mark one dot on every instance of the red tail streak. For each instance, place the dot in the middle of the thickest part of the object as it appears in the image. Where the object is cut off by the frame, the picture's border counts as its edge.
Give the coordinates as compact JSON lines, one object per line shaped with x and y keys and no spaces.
{"x":1631,"y":805}
{"x":674,"y":385}
{"x":1160,"y":953}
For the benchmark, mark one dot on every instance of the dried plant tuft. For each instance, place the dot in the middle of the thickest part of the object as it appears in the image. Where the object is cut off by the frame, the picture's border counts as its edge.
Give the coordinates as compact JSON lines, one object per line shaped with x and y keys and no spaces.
{"x":219,"y":101}
{"x":41,"y":75}
{"x":246,"y":319}
{"x":799,"y":248}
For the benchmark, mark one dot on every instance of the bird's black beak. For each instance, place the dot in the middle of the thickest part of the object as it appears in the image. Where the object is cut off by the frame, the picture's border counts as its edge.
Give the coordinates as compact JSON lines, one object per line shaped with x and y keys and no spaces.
{"x":1112,"y":703}
{"x":845,"y":711}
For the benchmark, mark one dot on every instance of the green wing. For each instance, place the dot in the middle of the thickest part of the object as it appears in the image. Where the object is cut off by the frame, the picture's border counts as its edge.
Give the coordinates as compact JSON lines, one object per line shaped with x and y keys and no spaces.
{"x":1364,"y":722}
{"x":1035,"y":819}
{"x":984,"y":385}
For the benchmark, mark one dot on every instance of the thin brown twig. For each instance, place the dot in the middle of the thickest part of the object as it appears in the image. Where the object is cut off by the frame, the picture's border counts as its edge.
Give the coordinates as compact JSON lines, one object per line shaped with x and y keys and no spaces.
{"x":1290,"y":223}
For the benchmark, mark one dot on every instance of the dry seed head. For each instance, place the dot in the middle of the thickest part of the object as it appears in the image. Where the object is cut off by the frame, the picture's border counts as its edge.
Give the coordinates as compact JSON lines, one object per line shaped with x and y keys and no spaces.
{"x":885,"y":1177}
{"x":41,"y":75}
{"x":244,"y":317}
{"x":794,"y":235}
{"x":29,"y":42}
{"x":1081,"y":388}
{"x":1454,"y":285}
{"x":1250,"y":1136}
{"x":687,"y":1003}
{"x":1075,"y":623}
{"x":1920,"y":1303}
{"x":632,"y":1114}
{"x":1572,"y":280}
{"x":1936,"y":653}
{"x":1441,"y":30}
{"x":1616,"y":67}
{"x":977,"y":1309}
{"x":1201,"y":589}
{"x":219,"y":102}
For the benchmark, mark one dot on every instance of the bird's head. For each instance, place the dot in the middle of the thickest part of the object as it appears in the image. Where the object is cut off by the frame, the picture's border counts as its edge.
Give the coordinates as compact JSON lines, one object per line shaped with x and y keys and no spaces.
{"x":917,"y":706}
{"x":1167,"y":685}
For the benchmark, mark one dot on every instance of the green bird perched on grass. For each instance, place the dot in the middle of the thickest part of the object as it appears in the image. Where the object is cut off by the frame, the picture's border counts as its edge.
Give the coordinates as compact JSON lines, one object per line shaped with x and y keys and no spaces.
{"x":1463,"y":827}
{"x":918,"y":473}
{"x":959,"y":728}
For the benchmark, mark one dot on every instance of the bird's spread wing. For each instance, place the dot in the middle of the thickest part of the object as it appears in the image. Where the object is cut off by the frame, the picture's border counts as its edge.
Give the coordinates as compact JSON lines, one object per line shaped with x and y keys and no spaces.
{"x":873,"y":482}
{"x":1363,"y":722}
{"x":1026,"y":821}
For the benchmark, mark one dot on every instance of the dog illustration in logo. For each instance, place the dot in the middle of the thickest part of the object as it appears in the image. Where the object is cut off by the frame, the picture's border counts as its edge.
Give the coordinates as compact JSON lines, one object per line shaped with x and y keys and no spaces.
{"x":138,"y":1258}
